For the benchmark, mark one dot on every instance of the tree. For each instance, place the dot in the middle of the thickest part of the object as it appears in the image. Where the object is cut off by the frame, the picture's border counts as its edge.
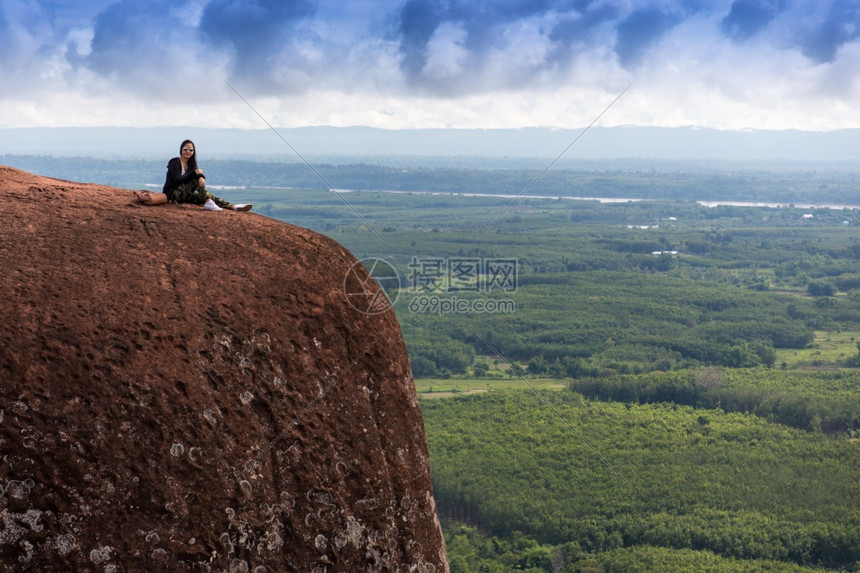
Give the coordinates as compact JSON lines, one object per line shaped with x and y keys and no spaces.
{"x":765,"y":353}
{"x":820,"y":288}
{"x":537,"y":365}
{"x":710,"y":377}
{"x":855,"y":360}
{"x":575,"y":367}
{"x":739,"y":356}
{"x":422,"y":367}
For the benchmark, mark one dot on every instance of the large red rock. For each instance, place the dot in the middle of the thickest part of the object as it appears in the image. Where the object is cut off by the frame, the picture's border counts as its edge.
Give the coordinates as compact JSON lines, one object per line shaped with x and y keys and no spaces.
{"x":182,"y":390}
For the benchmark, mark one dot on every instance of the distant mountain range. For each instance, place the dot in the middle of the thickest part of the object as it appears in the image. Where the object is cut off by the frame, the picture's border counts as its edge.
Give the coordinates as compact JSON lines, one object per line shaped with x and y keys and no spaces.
{"x":341,"y":144}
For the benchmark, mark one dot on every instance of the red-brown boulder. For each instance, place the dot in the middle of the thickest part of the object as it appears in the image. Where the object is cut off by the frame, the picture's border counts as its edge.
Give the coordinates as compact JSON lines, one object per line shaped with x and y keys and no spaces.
{"x":183,"y":390}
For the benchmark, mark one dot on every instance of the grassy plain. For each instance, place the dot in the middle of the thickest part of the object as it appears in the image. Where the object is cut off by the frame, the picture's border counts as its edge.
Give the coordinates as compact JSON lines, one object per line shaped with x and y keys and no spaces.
{"x":827,"y":349}
{"x":445,"y":388}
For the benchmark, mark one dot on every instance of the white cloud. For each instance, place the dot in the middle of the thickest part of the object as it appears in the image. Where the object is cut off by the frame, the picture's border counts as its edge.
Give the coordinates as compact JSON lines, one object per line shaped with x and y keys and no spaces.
{"x":341,"y":64}
{"x":446,"y":54}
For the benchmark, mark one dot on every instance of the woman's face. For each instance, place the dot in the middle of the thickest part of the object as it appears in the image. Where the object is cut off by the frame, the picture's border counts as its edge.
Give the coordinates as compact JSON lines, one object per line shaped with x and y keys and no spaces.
{"x":187,"y":151}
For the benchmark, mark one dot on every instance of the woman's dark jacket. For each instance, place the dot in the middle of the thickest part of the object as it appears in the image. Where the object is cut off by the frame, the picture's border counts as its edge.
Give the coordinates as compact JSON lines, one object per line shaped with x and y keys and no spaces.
{"x":175,"y":178}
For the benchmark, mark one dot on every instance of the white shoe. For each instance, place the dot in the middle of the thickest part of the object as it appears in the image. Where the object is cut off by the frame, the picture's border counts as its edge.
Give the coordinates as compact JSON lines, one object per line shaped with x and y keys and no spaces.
{"x":242,"y":207}
{"x":210,"y":205}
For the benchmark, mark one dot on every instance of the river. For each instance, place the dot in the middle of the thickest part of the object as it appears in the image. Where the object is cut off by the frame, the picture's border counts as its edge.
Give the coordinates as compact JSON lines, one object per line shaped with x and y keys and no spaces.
{"x":837,"y":207}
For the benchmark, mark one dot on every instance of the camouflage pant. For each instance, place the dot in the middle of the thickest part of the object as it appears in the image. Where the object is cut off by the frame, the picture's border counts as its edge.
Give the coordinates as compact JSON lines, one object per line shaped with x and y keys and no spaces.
{"x":191,"y":192}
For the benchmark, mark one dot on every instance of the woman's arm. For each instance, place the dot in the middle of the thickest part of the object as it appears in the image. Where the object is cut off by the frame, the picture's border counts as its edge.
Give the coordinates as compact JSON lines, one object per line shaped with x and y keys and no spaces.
{"x":174,"y":175}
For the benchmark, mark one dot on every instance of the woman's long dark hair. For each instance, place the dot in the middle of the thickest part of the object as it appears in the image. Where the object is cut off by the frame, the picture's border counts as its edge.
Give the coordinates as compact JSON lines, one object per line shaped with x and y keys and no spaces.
{"x":192,"y":161}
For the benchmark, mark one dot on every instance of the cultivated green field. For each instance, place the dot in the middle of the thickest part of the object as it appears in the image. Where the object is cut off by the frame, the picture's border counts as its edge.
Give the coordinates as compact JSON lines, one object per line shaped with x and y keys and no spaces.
{"x":622,"y":487}
{"x":669,"y":388}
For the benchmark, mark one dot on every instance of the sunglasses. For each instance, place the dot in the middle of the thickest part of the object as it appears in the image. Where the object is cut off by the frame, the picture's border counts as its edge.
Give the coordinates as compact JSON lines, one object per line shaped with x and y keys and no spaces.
{"x":187,"y":149}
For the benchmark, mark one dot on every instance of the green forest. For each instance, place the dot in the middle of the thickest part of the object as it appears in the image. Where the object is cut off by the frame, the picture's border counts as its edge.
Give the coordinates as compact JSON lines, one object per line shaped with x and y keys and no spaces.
{"x":686,"y":383}
{"x":649,"y":385}
{"x":528,"y":476}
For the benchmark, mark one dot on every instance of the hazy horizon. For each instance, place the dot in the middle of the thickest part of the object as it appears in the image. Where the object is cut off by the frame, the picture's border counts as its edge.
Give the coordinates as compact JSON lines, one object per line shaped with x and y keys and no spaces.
{"x":542,"y":145}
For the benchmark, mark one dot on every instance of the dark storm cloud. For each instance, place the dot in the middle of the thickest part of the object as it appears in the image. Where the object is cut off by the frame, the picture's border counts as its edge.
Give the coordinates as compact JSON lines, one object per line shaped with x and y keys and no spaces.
{"x":841,"y":24}
{"x":639,"y":31}
{"x":570,"y":23}
{"x":396,"y":49}
{"x":747,"y":17}
{"x":255,"y":29}
{"x":7,"y":46}
{"x":418,"y":21}
{"x":818,"y":29}
{"x":486,"y":24}
{"x":25,"y":31}
{"x":570,"y":26}
{"x":172,"y":47}
{"x":578,"y":27}
{"x":443,"y":47}
{"x":137,"y":35}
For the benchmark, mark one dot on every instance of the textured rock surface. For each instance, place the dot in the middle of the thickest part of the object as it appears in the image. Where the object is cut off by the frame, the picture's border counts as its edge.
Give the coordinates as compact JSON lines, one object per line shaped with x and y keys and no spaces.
{"x":187,"y":390}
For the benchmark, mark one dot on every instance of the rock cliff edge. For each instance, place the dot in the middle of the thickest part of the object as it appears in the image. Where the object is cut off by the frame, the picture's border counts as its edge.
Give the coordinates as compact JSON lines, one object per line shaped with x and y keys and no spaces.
{"x":182,"y":390}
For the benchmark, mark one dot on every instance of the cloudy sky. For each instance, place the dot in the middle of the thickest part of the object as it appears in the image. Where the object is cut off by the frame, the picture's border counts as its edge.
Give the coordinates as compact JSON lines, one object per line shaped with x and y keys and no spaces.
{"x":729,"y":64}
